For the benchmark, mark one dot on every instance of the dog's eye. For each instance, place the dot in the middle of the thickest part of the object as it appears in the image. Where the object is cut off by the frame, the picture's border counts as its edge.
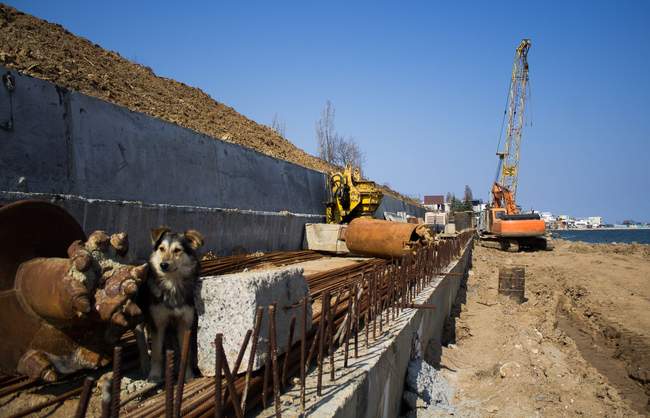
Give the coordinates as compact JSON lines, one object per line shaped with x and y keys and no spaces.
{"x":177,"y":250}
{"x":161,"y":249}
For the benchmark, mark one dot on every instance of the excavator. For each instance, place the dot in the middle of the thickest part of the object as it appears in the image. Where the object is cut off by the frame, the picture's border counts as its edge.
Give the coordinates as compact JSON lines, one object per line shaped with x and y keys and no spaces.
{"x":502,"y":224}
{"x":351,"y":196}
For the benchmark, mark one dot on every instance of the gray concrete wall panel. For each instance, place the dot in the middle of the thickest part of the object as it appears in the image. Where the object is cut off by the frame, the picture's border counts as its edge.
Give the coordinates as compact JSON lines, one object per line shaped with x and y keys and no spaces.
{"x":392,"y":204}
{"x":119,"y":170}
{"x":67,"y":142}
{"x":37,"y":146}
{"x":226,"y":231}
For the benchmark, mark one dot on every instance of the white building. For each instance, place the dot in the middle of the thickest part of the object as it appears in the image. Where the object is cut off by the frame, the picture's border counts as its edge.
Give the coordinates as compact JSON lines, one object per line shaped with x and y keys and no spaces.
{"x":595,"y":221}
{"x":581,"y":224}
{"x":436,"y":203}
{"x":547,"y":217}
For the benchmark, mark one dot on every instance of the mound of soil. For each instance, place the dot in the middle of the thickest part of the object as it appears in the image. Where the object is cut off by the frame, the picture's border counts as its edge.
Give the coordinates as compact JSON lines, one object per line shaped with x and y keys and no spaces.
{"x":578,"y":345}
{"x":48,"y":51}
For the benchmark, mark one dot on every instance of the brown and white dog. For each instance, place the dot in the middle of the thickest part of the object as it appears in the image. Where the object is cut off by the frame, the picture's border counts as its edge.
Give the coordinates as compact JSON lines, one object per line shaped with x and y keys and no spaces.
{"x":169,"y":293}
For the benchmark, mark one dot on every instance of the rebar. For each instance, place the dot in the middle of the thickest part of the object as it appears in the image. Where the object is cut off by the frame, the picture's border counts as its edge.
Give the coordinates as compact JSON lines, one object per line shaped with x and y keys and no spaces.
{"x":360,"y":299}
{"x":330,"y":335}
{"x":274,"y":361}
{"x":325,"y":301}
{"x":303,"y":343}
{"x":82,"y":406}
{"x":218,"y":368}
{"x":116,"y":383}
{"x":230,"y":382}
{"x":181,"y":374}
{"x":169,"y":384}
{"x":251,"y":357}
{"x":285,"y":366}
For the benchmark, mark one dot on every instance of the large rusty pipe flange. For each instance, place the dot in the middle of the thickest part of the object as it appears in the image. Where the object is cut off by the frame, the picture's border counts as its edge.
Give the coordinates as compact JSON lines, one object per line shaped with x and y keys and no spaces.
{"x":385,"y":239}
{"x":41,"y":291}
{"x":64,"y":300}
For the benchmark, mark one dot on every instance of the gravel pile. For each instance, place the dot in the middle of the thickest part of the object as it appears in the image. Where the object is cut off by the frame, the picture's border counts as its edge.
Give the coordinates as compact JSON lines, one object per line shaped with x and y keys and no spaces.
{"x":427,"y":393}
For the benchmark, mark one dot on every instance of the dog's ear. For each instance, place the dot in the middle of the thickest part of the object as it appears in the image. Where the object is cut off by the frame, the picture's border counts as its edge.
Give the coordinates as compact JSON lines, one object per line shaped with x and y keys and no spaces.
{"x":194,"y":238}
{"x":157,"y":233}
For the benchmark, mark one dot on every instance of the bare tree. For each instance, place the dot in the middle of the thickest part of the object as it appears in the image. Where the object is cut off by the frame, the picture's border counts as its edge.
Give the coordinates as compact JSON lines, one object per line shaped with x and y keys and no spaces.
{"x":333,"y":147}
{"x":347,"y":152}
{"x":326,"y":135}
{"x":278,"y":125}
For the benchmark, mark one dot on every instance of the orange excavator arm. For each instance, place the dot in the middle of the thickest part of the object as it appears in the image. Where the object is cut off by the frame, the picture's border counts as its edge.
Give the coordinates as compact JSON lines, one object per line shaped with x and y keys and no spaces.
{"x":502,"y":198}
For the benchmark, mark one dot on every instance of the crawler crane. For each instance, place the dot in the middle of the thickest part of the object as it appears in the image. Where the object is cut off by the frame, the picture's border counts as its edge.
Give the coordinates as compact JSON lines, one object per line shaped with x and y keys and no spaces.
{"x":502,"y":224}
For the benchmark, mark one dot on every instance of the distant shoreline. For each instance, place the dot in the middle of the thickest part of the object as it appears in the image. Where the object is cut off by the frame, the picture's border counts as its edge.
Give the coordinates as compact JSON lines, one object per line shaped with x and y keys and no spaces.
{"x":639,"y":228}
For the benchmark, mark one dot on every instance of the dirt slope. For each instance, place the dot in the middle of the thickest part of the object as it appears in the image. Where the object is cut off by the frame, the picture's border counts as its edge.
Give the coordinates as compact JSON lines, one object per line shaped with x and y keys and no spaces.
{"x":48,"y":51}
{"x":580,"y":344}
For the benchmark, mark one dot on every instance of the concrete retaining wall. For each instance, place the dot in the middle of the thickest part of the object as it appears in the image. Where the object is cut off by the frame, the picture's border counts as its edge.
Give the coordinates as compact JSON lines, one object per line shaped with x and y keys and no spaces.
{"x":393,"y":204}
{"x":373,"y":384}
{"x":379,"y":392}
{"x":115,"y":169}
{"x":226,"y":231}
{"x":67,"y":142}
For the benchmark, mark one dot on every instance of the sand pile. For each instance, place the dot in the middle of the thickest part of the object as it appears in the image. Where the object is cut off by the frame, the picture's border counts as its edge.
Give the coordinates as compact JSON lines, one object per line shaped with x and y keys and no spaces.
{"x":48,"y":51}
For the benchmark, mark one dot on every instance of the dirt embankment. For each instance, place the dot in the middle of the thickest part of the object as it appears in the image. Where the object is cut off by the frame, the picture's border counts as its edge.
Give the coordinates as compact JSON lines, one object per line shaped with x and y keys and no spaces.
{"x":48,"y":51}
{"x":579,"y":345}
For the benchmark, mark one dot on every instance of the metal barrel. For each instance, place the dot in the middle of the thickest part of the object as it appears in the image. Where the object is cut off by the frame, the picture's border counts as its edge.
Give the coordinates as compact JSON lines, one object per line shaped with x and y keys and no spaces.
{"x":512,"y":282}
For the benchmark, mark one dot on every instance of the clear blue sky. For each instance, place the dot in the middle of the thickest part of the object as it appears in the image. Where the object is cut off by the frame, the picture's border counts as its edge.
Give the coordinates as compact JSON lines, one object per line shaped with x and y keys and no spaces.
{"x":420,"y":85}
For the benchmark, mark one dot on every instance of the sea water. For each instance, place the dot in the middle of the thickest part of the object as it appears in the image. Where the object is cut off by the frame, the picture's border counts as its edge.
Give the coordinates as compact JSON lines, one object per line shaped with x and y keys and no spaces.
{"x":600,"y":236}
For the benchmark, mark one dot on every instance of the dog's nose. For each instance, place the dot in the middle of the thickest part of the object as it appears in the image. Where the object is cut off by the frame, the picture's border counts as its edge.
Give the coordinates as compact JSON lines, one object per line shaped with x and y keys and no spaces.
{"x":164,"y":266}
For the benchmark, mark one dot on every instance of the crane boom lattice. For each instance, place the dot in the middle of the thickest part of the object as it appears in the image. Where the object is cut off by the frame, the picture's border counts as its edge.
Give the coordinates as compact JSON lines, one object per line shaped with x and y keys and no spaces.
{"x":508,"y":171}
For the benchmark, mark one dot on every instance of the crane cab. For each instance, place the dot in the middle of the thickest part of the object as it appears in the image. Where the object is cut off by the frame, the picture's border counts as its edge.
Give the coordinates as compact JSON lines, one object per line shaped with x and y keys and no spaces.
{"x":517,"y":225}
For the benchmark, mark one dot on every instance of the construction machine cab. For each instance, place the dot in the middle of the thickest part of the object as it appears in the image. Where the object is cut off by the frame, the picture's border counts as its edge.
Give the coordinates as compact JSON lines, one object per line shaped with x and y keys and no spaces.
{"x":351,"y":196}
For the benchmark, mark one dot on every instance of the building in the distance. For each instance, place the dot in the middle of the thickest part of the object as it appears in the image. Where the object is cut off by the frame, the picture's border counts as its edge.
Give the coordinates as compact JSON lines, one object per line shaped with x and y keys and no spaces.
{"x":595,"y":221}
{"x":478,"y":205}
{"x":435,"y":203}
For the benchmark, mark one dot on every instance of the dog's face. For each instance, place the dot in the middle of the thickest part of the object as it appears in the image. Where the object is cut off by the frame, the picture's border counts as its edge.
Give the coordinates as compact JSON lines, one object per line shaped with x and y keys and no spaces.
{"x":174,"y":254}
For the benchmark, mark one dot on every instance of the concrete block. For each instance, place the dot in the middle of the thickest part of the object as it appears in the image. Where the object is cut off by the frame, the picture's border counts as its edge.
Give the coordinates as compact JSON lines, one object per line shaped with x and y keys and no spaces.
{"x":325,"y":237}
{"x":227,"y":304}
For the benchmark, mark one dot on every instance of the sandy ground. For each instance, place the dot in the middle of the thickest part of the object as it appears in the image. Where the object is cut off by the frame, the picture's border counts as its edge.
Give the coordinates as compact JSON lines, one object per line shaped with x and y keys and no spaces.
{"x":579,"y":345}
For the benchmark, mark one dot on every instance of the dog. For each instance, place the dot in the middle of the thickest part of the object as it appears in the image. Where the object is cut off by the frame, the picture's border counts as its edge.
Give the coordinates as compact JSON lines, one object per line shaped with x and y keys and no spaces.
{"x":168,"y":296}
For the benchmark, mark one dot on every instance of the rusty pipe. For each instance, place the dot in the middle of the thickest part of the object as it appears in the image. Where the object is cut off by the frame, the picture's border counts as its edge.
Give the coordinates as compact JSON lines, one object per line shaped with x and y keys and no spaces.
{"x":40,"y":287}
{"x":378,"y":238}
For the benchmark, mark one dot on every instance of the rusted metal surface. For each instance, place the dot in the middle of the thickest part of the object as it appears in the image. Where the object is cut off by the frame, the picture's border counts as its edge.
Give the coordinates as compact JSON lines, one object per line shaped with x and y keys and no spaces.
{"x":82,"y":406}
{"x":512,"y":282}
{"x":53,"y":401}
{"x":384,"y":239}
{"x":251,"y":358}
{"x":236,"y":263}
{"x":116,"y":382}
{"x":395,"y":287}
{"x":417,"y":306}
{"x":303,"y":345}
{"x":63,"y":299}
{"x":357,"y":298}
{"x":274,"y":361}
{"x":218,"y":403}
{"x":169,"y":384}
{"x":180,"y":385}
